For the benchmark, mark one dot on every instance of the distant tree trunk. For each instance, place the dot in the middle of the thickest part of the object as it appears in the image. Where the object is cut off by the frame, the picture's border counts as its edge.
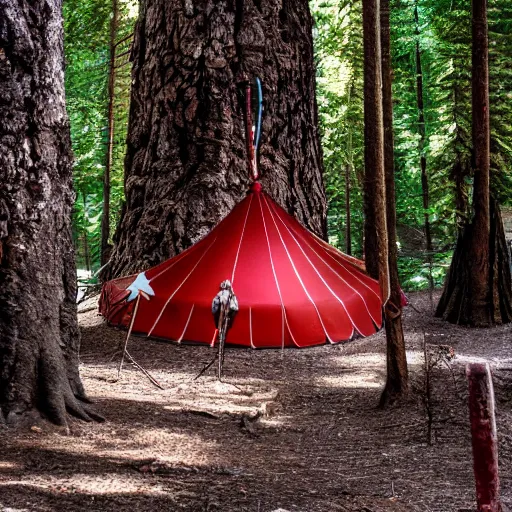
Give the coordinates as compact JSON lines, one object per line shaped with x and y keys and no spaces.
{"x":348,"y":228}
{"x":348,"y":171}
{"x":87,"y":253}
{"x":397,"y":373}
{"x":460,"y":172}
{"x":423,"y":158}
{"x":477,"y":290}
{"x":375,"y":240}
{"x":186,"y":159}
{"x":105,"y":219}
{"x":39,"y":335}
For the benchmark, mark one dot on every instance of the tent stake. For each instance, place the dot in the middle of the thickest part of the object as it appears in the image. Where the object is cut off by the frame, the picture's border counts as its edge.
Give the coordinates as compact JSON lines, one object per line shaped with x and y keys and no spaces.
{"x":143,"y":370}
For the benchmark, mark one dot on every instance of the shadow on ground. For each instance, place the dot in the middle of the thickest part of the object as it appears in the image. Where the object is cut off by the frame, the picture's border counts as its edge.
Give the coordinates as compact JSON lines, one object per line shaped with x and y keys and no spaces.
{"x":298,"y":431}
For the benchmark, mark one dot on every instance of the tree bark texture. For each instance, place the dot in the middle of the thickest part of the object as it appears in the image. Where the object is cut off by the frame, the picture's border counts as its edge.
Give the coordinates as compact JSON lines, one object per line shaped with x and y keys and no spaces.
{"x":477,"y":290}
{"x":375,"y":231}
{"x":39,"y":337}
{"x":186,"y":158}
{"x":480,"y":264}
{"x":456,"y":304}
{"x":396,"y":359}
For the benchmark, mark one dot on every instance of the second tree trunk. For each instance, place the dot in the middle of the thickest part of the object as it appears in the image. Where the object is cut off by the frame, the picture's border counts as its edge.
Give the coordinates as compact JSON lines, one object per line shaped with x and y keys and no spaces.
{"x":186,"y":159}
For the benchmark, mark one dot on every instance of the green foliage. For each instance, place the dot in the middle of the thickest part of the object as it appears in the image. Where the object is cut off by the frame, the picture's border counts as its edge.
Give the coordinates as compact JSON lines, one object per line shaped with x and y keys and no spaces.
{"x":443,"y":33}
{"x":86,"y":46}
{"x":339,"y":51}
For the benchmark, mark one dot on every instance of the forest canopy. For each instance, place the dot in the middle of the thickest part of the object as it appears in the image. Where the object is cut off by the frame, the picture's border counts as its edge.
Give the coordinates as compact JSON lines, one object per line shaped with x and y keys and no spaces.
{"x":431,"y":51}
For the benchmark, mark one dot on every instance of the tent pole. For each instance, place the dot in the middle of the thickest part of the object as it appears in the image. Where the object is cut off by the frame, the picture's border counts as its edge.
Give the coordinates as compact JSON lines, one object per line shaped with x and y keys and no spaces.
{"x":128,"y":336}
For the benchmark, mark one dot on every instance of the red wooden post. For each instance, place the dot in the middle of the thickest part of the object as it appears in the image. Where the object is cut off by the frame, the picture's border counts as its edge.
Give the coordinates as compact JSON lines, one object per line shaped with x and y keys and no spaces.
{"x":484,"y":437}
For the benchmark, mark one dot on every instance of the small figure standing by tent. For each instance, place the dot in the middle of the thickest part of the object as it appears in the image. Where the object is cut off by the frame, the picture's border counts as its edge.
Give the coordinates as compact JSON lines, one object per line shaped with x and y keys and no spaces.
{"x":224,"y":310}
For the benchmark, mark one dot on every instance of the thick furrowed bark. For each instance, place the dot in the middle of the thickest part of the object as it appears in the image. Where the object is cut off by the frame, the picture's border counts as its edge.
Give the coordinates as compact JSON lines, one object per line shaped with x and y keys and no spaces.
{"x":39,"y":336}
{"x":457,"y":304}
{"x":186,"y":158}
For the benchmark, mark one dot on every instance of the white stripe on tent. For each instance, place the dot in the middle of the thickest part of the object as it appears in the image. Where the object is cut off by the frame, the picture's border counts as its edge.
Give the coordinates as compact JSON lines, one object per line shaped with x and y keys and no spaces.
{"x":340,"y":300}
{"x":329,"y":249}
{"x":241,"y":238}
{"x":338,"y":275}
{"x":186,"y":325}
{"x":275,"y":277}
{"x":175,"y":260}
{"x":297,"y":274}
{"x":177,"y":289}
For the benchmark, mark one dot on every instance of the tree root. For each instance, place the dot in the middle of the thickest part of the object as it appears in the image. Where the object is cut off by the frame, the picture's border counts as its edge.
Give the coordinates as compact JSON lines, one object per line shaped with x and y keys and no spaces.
{"x":81,"y":410}
{"x":457,"y":304}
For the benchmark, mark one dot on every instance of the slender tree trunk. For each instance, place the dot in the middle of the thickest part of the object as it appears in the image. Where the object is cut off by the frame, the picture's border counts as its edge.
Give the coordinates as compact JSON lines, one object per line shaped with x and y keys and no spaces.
{"x":459,"y":172}
{"x":376,"y":240}
{"x":348,"y":228}
{"x":87,"y":254}
{"x":348,"y":171}
{"x":477,"y":289}
{"x":105,"y":219}
{"x":397,"y":373}
{"x":480,"y":264}
{"x":39,"y":335}
{"x":186,"y":158}
{"x":423,"y":159}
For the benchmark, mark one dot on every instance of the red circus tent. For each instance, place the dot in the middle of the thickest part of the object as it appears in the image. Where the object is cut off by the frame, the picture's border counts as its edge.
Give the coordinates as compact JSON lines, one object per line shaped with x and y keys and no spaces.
{"x":293,"y":289}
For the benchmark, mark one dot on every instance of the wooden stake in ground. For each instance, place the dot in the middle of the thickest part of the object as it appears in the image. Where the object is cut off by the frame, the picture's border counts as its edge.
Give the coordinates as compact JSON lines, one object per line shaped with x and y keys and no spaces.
{"x":484,"y":437}
{"x":125,"y":352}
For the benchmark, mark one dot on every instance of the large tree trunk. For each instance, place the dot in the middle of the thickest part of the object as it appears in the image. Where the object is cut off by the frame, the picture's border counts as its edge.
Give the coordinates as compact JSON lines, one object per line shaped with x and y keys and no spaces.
{"x":39,"y":336}
{"x":375,"y":231}
{"x":397,"y":372}
{"x":186,"y":158}
{"x":477,"y":289}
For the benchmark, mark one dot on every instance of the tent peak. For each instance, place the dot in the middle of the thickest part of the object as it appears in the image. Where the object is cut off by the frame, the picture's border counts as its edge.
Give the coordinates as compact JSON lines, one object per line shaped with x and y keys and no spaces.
{"x":255,"y":188}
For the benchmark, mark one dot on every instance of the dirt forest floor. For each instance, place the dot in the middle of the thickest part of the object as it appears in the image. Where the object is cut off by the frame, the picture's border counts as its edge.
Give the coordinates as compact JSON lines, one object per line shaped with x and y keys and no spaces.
{"x":292,"y":431}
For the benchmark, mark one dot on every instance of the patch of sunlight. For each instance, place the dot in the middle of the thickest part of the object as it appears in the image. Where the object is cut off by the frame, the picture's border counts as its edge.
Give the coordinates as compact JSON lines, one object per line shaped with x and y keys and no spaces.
{"x":107,"y":483}
{"x":99,"y":483}
{"x":8,"y":465}
{"x":12,"y":509}
{"x":352,"y":380}
{"x":471,"y":359}
{"x":173,"y":448}
{"x":211,"y":407}
{"x":415,"y":357}
{"x":142,"y":442}
{"x":361,"y":360}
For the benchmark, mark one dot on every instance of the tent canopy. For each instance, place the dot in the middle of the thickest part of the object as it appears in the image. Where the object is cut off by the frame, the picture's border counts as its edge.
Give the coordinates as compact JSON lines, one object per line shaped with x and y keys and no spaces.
{"x":293,"y":289}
